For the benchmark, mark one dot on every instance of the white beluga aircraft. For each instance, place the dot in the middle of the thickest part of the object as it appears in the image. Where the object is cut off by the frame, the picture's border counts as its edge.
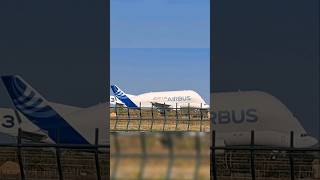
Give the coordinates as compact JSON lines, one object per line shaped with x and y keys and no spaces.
{"x":73,"y":125}
{"x":235,"y":114}
{"x":181,"y":99}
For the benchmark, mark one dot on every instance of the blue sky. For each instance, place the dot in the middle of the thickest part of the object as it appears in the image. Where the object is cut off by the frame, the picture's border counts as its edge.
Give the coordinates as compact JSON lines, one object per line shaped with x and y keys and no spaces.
{"x":159,"y":45}
{"x":160,"y":23}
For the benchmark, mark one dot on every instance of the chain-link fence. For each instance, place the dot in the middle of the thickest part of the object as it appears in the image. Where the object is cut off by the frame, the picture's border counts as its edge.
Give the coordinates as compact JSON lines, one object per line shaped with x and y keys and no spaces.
{"x":37,"y":161}
{"x":166,"y":155}
{"x":159,"y":119}
{"x":262,"y":162}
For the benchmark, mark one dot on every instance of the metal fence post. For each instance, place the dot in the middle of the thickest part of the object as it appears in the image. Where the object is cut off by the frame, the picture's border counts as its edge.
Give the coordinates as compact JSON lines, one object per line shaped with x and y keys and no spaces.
{"x":213,"y":157}
{"x":253,"y":171}
{"x":165,"y":117}
{"x":152,"y":116}
{"x":22,"y":175}
{"x":140,"y":114}
{"x":290,"y":155}
{"x":58,"y":155}
{"x":117,"y":117}
{"x":96,"y":154}
{"x":189,"y":117}
{"x":201,"y":117}
{"x":128,"y":118}
{"x":177,"y":117}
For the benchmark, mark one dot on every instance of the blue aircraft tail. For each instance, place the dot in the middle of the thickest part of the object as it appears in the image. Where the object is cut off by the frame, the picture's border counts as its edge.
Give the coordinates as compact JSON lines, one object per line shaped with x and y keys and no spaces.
{"x":123,"y":97}
{"x":33,"y":106}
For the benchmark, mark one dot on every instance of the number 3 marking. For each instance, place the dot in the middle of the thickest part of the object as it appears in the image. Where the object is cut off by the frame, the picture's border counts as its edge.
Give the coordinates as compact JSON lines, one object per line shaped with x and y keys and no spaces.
{"x":9,"y":121}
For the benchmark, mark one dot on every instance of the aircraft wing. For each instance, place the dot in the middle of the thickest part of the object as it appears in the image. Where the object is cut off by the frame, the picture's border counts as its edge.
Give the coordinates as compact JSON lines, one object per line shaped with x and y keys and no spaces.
{"x":160,"y":105}
{"x":121,"y":105}
{"x":35,"y":137}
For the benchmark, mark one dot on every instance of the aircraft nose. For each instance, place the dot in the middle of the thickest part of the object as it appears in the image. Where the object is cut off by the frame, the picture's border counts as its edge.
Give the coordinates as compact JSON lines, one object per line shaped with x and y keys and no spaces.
{"x":309,"y":141}
{"x":313,"y":141}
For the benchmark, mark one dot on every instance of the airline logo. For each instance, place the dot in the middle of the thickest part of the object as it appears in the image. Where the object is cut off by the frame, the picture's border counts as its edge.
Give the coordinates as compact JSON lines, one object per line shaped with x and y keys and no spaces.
{"x":118,"y":92}
{"x":173,"y":98}
{"x":26,"y":100}
{"x":233,"y":116}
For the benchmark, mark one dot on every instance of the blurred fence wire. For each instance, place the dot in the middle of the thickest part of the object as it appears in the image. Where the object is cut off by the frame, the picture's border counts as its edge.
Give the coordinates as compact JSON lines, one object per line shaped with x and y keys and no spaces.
{"x":37,"y":161}
{"x":166,"y":155}
{"x":159,"y":119}
{"x":264,"y":162}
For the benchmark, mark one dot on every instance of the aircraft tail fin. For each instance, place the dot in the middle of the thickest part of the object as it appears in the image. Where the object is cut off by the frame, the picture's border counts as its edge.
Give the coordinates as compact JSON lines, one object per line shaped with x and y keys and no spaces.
{"x":123,"y":97}
{"x":37,"y":109}
{"x":25,"y":98}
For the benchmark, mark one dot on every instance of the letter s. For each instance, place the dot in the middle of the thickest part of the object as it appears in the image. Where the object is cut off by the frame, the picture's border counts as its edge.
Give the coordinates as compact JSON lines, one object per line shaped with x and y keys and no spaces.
{"x":252,"y":115}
